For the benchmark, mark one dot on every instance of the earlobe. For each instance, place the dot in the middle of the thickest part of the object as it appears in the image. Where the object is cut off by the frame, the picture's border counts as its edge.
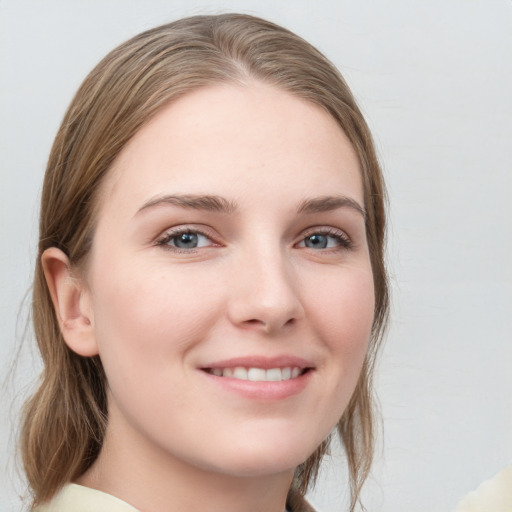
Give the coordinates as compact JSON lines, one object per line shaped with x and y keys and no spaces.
{"x":71,"y":300}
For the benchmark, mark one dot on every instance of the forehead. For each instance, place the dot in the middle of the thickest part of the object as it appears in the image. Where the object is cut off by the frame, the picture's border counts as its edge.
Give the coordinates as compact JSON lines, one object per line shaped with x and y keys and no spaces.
{"x":236,"y":140}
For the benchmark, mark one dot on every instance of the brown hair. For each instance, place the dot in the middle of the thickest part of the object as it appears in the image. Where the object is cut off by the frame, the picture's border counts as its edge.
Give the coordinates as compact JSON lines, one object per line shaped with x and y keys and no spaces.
{"x":65,"y":421}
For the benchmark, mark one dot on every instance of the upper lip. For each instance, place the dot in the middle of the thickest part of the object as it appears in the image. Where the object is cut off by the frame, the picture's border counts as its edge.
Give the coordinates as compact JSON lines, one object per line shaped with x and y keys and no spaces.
{"x":263,"y":362}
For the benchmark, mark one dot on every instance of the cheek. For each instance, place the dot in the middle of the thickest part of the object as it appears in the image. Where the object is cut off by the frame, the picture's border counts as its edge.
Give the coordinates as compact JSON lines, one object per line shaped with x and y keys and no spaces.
{"x":151,"y":316}
{"x":346,"y":306}
{"x":343,"y":316}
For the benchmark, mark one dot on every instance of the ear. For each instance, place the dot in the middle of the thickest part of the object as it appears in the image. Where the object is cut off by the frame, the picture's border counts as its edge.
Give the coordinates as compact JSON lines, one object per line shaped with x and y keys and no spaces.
{"x":72,"y":302}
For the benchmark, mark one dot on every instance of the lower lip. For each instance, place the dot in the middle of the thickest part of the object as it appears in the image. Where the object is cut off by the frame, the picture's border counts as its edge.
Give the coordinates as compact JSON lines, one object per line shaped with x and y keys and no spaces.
{"x":261,"y":390}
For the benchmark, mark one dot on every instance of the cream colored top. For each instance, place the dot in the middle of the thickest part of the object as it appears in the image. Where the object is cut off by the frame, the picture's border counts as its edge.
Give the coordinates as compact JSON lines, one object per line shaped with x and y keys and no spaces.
{"x":494,"y":495}
{"x":77,"y":498}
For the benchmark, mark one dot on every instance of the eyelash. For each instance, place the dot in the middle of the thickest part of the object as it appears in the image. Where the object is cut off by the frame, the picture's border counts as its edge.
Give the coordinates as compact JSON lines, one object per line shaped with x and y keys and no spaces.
{"x":342,"y":238}
{"x":175,"y":233}
{"x":344,"y":242}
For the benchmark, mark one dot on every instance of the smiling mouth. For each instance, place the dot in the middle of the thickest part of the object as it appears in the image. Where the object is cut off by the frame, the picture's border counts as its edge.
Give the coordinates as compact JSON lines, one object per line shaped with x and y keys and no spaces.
{"x":258,"y":374}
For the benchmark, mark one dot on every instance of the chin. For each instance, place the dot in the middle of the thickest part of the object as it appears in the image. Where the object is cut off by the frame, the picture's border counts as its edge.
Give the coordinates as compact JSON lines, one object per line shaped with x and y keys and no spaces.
{"x":259,"y":459}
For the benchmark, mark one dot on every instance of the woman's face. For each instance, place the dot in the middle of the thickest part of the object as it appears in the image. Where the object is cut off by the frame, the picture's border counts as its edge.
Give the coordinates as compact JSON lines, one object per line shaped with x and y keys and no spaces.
{"x":229,"y":286}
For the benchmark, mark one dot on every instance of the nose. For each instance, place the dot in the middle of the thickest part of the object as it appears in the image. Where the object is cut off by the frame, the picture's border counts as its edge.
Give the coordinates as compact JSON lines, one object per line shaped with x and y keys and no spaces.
{"x":264,"y":293}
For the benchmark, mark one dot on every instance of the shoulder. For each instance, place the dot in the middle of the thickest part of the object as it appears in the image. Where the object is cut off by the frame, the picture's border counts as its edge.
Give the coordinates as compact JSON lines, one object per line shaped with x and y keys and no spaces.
{"x":83,"y":499}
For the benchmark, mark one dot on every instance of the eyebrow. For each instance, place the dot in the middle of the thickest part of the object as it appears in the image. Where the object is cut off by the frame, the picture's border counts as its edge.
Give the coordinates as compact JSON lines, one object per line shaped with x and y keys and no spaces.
{"x":328,"y":203}
{"x":212,"y":203}
{"x":207,"y":203}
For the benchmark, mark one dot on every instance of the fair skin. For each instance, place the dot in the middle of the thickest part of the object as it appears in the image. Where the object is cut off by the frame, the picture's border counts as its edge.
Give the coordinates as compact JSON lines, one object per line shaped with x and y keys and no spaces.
{"x":184,"y":297}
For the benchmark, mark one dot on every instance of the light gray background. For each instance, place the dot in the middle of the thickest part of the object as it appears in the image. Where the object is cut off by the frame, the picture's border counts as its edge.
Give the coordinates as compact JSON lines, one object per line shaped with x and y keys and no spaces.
{"x":434,"y":79}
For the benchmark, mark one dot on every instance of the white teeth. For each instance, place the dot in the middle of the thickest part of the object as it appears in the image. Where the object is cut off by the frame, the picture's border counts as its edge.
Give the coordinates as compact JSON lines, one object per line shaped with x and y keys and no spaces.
{"x":274,"y":374}
{"x":286,"y":373}
{"x":240,"y":373}
{"x":258,"y":374}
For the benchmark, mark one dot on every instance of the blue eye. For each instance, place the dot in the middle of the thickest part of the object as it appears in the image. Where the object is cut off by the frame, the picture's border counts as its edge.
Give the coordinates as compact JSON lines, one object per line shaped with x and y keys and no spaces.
{"x":185,"y":240}
{"x":317,"y":241}
{"x":328,"y":240}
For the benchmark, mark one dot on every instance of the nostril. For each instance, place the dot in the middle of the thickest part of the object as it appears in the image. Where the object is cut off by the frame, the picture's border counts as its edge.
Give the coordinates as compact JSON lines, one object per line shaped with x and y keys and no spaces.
{"x":269,"y":325}
{"x":254,"y":322}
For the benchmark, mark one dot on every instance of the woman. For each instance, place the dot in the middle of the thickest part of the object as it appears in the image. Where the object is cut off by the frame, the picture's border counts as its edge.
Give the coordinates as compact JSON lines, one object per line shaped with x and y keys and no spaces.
{"x":210,"y":290}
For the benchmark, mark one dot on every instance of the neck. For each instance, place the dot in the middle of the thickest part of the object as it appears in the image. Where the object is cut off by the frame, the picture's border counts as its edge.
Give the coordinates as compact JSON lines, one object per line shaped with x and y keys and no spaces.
{"x":151,"y":479}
